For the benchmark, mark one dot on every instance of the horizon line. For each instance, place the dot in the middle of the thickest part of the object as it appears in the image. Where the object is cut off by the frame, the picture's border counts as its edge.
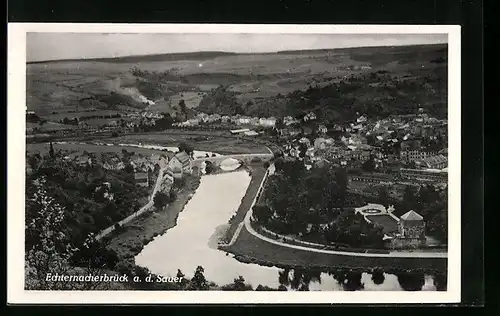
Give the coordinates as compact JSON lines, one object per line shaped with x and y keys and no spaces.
{"x":224,"y":52}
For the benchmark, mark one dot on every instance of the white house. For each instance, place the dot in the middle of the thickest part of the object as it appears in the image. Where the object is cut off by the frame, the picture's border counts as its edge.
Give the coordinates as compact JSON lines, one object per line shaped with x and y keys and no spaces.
{"x":239,"y":131}
{"x":322,"y":129}
{"x":288,"y":120}
{"x":267,"y":122}
{"x":306,"y":141}
{"x":243,"y":120}
{"x":320,"y":143}
{"x":161,"y":160}
{"x":181,"y":161}
{"x":361,"y":119}
{"x":309,"y":117}
{"x":251,"y":133}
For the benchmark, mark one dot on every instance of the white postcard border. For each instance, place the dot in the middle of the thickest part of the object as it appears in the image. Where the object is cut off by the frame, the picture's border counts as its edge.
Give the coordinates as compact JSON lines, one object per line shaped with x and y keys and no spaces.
{"x":16,"y":169}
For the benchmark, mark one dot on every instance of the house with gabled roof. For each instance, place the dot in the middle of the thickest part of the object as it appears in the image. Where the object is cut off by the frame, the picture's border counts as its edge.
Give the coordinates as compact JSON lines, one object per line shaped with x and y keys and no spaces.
{"x":412,"y":225}
{"x":141,"y":179}
{"x":181,"y":162}
{"x":433,"y":162}
{"x":411,"y":231}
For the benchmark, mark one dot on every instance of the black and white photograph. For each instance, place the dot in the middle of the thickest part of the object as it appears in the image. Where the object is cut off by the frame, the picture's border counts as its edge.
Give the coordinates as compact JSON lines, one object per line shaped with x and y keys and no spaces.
{"x":234,"y":160}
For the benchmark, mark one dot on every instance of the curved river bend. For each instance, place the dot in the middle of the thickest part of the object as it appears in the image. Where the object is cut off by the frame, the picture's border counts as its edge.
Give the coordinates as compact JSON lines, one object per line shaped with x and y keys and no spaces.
{"x":193,"y":242}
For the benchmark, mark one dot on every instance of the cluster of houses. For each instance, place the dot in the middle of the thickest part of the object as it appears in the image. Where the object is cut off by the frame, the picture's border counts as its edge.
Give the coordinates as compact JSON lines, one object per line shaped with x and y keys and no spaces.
{"x":203,"y":118}
{"x":389,"y":141}
{"x":178,"y":166}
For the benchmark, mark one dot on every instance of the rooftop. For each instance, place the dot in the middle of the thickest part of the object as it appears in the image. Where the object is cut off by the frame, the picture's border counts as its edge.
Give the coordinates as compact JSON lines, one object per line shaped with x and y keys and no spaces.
{"x":182,"y":156}
{"x":140,"y":175}
{"x":434,"y":159}
{"x":412,"y":216}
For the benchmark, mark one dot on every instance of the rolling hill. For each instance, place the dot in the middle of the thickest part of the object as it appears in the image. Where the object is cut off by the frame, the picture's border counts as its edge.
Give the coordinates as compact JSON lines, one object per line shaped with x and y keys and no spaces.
{"x":365,"y":78}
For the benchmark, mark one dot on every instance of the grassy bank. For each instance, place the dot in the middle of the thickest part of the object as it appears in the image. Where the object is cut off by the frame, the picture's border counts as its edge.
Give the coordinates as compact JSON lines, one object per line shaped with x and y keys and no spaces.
{"x":250,"y":249}
{"x":257,"y":173}
{"x":141,"y":231}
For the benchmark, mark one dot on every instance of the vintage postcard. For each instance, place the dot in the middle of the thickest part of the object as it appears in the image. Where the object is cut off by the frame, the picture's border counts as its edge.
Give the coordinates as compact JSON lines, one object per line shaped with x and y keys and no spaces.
{"x":254,"y":163}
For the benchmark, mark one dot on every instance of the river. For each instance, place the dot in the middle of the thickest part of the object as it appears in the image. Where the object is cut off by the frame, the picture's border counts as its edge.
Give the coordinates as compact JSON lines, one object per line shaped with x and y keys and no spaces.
{"x":193,"y":242}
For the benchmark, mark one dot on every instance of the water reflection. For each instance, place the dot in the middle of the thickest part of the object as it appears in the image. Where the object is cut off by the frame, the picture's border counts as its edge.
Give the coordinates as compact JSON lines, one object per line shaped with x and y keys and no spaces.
{"x":193,"y":242}
{"x":378,"y":277}
{"x":348,"y":280}
{"x":411,"y":281}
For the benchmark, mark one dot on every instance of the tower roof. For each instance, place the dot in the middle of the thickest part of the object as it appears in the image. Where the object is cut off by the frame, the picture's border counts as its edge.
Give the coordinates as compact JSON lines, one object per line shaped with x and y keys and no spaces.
{"x":412,"y":216}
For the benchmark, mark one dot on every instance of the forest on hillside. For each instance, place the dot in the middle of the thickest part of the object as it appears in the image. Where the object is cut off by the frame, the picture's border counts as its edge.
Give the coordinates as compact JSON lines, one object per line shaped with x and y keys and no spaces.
{"x":376,"y":94}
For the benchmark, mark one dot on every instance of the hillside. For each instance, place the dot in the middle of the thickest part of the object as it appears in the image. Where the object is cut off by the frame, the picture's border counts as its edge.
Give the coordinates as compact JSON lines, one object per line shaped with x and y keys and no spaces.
{"x":144,"y":58}
{"x":255,"y":84}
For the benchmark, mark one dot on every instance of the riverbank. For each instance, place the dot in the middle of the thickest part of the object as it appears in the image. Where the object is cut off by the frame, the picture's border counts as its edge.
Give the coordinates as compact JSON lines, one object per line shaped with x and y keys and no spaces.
{"x":257,"y":172}
{"x":250,"y":249}
{"x":135,"y":235}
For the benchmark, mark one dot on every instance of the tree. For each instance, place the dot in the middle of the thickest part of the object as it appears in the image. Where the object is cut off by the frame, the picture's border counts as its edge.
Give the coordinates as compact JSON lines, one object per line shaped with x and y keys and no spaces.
{"x":303,"y":150}
{"x":160,"y":200}
{"x":378,"y":276}
{"x":51,"y":150}
{"x":129,"y":168}
{"x":262,"y":213}
{"x":440,"y":281}
{"x":181,"y":277}
{"x":353,"y":281}
{"x":369,"y":165}
{"x":182,"y":105}
{"x":342,"y":183}
{"x":279,"y":124}
{"x":411,"y":281}
{"x":188,"y":149}
{"x":282,"y":288}
{"x":370,"y":139}
{"x":48,"y":250}
{"x":383,"y":196}
{"x":198,"y":282}
{"x":209,"y":167}
{"x":410,"y":198}
{"x":237,"y":285}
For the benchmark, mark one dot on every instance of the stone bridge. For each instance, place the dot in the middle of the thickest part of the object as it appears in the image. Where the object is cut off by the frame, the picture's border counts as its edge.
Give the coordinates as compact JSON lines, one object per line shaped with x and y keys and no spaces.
{"x":245,"y":158}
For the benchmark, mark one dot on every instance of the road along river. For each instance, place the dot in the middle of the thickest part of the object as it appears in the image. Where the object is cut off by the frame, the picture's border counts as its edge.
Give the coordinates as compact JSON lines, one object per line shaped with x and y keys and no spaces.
{"x":193,"y":242}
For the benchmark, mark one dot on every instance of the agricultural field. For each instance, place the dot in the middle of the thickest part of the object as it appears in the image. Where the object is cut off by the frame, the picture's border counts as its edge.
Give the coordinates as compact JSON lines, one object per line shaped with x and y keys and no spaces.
{"x":202,"y":142}
{"x":113,"y":85}
{"x":70,"y":115}
{"x":78,"y":149}
{"x":50,"y":127}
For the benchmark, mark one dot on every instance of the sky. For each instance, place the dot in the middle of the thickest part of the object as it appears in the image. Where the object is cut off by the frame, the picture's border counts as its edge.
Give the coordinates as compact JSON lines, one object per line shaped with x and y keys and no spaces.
{"x":53,"y":46}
